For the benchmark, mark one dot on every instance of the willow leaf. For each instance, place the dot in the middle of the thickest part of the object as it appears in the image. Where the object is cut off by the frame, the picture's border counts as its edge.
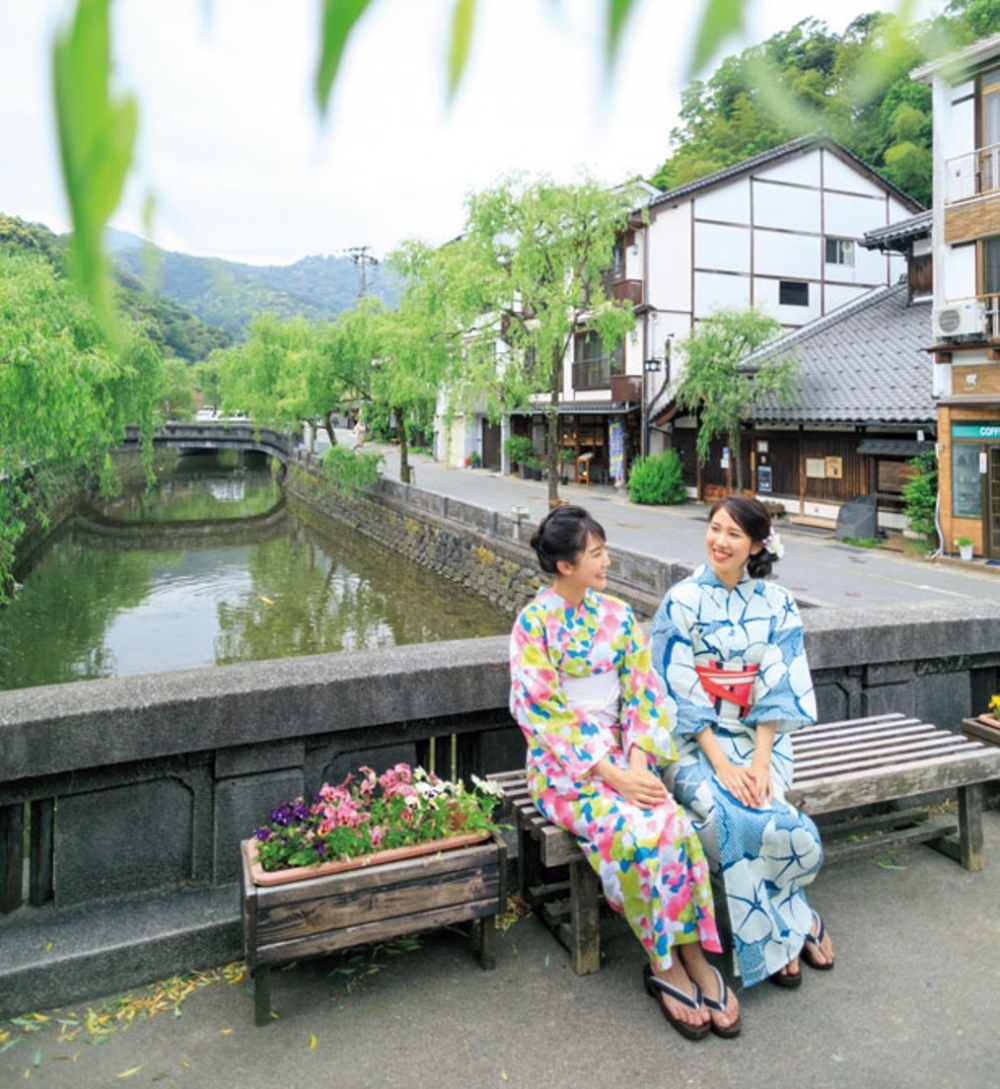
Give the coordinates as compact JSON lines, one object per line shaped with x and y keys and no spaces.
{"x":96,"y":138}
{"x":618,"y":13}
{"x":462,"y":20}
{"x":722,"y":19}
{"x":339,"y":19}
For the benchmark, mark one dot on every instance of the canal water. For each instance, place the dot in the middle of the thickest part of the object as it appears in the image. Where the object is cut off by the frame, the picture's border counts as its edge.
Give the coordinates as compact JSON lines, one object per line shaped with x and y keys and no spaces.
{"x":211,"y":567}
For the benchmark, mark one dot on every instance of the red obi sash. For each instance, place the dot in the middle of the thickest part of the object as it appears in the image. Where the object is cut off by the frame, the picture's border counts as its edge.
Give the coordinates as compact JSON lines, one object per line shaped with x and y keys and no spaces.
{"x":724,"y":686}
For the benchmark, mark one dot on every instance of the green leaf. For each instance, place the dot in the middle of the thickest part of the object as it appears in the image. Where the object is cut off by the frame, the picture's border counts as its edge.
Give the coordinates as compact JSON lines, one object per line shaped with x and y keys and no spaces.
{"x":618,"y":13}
{"x":339,"y":17}
{"x":721,"y":20}
{"x":463,"y":16}
{"x":96,"y":138}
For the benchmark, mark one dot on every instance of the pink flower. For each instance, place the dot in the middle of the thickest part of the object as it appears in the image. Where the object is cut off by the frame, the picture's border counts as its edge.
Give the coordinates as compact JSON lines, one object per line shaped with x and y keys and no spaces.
{"x":375,"y":834}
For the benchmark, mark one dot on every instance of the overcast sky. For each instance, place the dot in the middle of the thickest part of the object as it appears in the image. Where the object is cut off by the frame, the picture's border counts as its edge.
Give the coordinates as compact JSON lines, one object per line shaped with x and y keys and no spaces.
{"x":232,"y":149}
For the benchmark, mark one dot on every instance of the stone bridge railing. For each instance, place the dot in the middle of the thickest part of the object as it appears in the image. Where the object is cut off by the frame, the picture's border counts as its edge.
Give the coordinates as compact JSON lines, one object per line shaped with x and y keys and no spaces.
{"x":132,"y":794}
{"x":219,"y":435}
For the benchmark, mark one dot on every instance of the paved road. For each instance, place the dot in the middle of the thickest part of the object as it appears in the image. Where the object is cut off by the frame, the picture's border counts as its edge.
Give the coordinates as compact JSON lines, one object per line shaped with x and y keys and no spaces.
{"x":815,"y":566}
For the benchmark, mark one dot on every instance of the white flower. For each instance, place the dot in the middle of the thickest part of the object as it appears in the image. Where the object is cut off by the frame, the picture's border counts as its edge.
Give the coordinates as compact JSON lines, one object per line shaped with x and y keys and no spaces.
{"x":772,"y":543}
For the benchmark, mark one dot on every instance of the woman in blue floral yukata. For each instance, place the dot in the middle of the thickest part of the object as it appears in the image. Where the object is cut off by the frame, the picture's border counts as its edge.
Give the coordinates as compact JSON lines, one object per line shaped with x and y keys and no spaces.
{"x":598,"y":723}
{"x":729,"y":647}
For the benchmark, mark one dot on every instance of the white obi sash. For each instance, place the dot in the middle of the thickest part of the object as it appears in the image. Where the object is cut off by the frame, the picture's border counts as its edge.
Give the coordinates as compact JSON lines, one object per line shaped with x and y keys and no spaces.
{"x":598,"y":696}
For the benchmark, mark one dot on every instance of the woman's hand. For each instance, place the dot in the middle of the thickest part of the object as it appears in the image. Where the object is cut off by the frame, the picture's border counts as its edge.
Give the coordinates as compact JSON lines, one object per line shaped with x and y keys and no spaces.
{"x":637,"y":785}
{"x":760,"y":769}
{"x":740,"y":782}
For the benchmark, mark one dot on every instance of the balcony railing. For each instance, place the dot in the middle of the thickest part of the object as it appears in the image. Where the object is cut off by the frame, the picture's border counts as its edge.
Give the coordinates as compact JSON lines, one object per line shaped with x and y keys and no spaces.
{"x":595,"y":373}
{"x":627,"y":290}
{"x":972,"y":174}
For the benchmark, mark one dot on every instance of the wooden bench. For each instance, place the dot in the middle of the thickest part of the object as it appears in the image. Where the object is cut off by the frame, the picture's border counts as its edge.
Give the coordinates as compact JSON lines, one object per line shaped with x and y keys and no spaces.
{"x":839,"y":766}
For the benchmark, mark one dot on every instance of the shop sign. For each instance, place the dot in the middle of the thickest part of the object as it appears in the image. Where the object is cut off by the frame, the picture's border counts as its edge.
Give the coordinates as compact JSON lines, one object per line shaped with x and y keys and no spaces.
{"x":982,"y":430}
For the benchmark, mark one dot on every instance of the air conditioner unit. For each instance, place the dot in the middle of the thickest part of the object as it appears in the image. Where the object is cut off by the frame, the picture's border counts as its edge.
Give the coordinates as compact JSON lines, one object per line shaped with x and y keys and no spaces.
{"x":960,"y":320}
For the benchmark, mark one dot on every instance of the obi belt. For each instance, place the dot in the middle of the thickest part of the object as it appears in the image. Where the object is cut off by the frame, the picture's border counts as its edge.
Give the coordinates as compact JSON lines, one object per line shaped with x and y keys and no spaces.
{"x":730,"y":690}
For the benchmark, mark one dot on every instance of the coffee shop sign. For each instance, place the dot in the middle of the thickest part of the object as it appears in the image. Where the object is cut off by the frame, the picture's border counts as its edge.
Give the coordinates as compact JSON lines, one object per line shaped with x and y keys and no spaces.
{"x":975,"y":431}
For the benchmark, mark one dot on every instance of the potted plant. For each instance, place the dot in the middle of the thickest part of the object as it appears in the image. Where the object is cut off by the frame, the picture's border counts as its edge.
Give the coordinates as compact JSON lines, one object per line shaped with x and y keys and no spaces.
{"x":566,"y":457}
{"x":520,"y":450}
{"x":376,"y":857}
{"x":964,"y":547}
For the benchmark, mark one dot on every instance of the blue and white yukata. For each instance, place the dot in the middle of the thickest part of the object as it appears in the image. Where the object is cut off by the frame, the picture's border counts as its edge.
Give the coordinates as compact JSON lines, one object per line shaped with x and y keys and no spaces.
{"x":766,"y":856}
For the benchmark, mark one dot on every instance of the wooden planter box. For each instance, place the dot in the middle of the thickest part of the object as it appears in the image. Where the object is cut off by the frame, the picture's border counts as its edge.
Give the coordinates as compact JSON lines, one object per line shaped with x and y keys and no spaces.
{"x":298,"y":919}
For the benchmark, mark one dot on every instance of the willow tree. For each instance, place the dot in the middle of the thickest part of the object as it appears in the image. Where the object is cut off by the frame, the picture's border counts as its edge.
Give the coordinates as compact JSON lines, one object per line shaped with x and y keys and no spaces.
{"x":67,"y":392}
{"x":720,"y":387}
{"x":418,"y":342}
{"x":537,"y":256}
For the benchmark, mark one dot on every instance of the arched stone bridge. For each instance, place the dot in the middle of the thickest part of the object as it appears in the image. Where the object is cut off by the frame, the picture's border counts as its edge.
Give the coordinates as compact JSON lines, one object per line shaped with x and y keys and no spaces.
{"x":220,"y":435}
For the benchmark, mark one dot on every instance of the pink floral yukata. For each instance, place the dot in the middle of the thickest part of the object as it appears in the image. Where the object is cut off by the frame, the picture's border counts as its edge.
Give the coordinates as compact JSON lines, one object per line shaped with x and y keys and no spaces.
{"x":649,"y":861}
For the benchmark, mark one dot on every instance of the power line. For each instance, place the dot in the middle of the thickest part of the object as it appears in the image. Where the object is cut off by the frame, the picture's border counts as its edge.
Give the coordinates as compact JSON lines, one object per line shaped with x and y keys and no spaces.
{"x":362,"y":260}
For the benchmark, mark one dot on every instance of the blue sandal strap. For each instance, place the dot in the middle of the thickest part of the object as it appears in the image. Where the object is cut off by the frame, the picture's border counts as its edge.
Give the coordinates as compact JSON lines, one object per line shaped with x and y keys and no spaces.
{"x":718,"y":1004}
{"x":817,"y":938}
{"x":674,"y":992}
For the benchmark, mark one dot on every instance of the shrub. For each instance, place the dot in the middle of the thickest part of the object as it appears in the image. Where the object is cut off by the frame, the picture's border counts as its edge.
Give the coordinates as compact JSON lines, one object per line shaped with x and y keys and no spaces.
{"x":920,"y":494}
{"x":519,"y":448}
{"x":657,"y":480}
{"x":348,"y":471}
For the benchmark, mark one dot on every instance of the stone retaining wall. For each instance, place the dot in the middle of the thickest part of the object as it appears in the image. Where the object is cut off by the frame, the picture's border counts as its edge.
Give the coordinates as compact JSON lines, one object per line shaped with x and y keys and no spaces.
{"x":485,"y":551}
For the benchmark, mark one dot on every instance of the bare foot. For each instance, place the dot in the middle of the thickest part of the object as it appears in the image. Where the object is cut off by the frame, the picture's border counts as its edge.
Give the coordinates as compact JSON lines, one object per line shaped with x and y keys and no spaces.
{"x":818,"y":949}
{"x":703,"y":974}
{"x":677,"y":977}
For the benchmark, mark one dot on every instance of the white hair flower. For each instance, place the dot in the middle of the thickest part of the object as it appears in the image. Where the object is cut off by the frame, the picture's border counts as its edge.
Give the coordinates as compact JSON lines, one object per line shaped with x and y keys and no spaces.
{"x":772,"y":544}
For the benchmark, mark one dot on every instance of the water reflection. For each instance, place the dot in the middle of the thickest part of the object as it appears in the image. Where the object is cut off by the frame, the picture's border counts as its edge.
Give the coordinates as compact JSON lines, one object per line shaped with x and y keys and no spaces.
{"x":112,"y":603}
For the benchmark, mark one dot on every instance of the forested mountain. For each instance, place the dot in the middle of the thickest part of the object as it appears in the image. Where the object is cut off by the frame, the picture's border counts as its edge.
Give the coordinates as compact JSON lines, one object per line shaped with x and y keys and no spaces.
{"x":855,"y":87}
{"x":169,"y":325}
{"x":228,"y":294}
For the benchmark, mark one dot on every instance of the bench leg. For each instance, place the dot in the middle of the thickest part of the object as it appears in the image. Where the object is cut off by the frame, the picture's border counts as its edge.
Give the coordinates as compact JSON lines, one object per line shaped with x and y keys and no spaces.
{"x":262,"y":994}
{"x":585,"y":907}
{"x":487,"y":942}
{"x":970,"y":826}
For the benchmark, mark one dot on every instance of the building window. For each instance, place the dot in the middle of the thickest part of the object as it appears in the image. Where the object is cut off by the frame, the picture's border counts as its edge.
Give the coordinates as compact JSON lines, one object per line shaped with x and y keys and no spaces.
{"x":618,"y":259}
{"x":593,"y":365}
{"x":966,"y":483}
{"x":990,"y":108}
{"x":840,"y":251}
{"x":793,"y":293}
{"x":989,"y":250}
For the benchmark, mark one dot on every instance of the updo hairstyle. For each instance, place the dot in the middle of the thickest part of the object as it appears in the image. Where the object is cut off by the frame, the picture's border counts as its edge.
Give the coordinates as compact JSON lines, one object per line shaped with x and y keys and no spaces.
{"x":752,"y":517}
{"x":562,"y":535}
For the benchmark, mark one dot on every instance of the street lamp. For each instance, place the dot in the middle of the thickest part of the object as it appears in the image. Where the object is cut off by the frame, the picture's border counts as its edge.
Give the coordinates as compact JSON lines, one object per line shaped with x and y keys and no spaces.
{"x":650,"y":366}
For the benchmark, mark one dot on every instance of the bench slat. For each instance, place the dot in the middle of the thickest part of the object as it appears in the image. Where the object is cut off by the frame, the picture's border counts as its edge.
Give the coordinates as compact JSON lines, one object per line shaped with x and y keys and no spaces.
{"x":914,"y":751}
{"x":808,"y":741}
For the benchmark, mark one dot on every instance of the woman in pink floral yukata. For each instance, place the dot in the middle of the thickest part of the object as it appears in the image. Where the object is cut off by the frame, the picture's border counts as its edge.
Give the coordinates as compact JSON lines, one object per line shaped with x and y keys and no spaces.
{"x":598,"y":722}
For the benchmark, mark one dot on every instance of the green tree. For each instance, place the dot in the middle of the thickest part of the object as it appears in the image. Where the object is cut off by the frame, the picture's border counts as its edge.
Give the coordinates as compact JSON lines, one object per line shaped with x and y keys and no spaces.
{"x":533,"y":270}
{"x":717,"y":389}
{"x":418,"y":343}
{"x":920,"y":494}
{"x":67,"y":392}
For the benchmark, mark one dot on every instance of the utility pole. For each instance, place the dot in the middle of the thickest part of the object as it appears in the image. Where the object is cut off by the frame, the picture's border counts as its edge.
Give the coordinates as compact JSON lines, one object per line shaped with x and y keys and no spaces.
{"x":362,"y":260}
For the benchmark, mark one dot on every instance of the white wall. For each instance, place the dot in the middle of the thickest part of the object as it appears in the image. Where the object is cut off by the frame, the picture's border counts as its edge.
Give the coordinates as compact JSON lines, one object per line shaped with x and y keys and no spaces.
{"x":846,"y":216}
{"x":722,"y":247}
{"x":669,"y":266}
{"x":785,"y":207}
{"x":715,"y":291}
{"x":728,"y":203}
{"x":790,"y":256}
{"x":766,"y":296}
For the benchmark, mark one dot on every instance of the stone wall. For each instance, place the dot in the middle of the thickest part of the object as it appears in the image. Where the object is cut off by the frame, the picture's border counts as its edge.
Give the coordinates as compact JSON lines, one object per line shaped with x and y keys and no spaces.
{"x":485,"y":551}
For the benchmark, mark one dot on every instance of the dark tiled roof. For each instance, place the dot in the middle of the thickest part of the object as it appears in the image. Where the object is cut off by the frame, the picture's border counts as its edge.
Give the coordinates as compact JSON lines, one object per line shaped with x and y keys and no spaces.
{"x":905,"y":230}
{"x":862,"y":363}
{"x":803,"y":143}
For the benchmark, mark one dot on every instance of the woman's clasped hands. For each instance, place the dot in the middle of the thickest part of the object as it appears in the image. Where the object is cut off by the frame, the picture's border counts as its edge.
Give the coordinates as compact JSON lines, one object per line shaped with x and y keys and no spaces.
{"x":638,"y":784}
{"x":750,"y":786}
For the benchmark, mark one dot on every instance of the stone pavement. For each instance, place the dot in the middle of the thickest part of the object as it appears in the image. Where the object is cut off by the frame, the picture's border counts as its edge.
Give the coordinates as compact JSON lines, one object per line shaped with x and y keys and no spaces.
{"x":913,"y":1004}
{"x":816,"y":566}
